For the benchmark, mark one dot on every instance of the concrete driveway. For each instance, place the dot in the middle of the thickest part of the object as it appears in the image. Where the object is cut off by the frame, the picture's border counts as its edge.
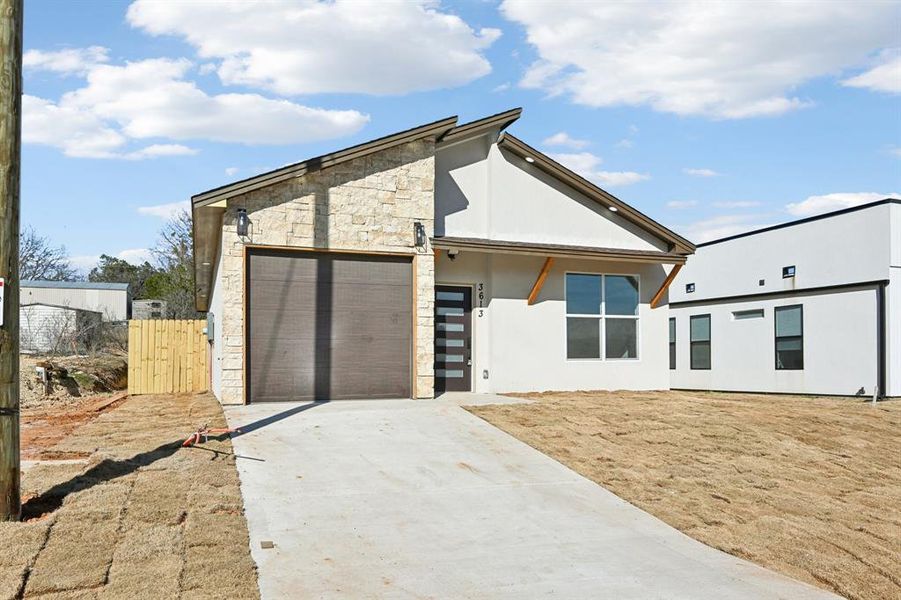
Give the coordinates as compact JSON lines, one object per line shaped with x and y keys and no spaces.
{"x":421,"y":499}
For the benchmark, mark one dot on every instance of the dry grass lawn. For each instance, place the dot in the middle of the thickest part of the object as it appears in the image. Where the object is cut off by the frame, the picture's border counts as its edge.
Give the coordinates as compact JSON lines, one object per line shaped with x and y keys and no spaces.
{"x":140,"y":517}
{"x":810,"y":487}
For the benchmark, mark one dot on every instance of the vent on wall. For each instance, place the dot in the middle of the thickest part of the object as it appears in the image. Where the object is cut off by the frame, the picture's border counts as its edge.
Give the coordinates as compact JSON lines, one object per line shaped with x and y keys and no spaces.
{"x":754,"y":313}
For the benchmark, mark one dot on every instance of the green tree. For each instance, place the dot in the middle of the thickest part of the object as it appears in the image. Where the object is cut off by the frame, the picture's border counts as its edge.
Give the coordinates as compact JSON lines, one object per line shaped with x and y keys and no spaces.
{"x":143,"y":280}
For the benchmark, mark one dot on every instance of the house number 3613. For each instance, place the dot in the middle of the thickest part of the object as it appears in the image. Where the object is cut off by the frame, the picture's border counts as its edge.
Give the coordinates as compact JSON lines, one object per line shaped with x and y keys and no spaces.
{"x":481,"y":290}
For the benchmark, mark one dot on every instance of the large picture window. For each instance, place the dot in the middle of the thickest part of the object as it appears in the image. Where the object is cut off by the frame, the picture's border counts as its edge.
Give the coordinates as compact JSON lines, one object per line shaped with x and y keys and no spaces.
{"x":789,"y":338}
{"x":699,"y":337}
{"x":601,"y":316}
{"x":672,"y":343}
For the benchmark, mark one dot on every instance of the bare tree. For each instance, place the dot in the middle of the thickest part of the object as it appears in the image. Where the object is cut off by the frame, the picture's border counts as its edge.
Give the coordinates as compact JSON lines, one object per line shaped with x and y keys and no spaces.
{"x":39,"y":259}
{"x":174,"y":253}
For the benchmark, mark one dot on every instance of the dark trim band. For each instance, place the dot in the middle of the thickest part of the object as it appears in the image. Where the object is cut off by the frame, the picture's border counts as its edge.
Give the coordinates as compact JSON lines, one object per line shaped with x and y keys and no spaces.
{"x":780,"y":293}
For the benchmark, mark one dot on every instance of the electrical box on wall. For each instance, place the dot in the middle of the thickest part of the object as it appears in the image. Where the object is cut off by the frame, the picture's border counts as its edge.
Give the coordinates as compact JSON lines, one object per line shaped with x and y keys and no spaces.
{"x":2,"y":296}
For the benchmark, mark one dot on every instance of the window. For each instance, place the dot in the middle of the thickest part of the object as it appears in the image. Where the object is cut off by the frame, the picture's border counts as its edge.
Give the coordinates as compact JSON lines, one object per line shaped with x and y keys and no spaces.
{"x":789,"y":338}
{"x":689,"y":288}
{"x":601,"y":316}
{"x":754,"y":313}
{"x":672,"y":342}
{"x":700,"y":341}
{"x":788,"y":272}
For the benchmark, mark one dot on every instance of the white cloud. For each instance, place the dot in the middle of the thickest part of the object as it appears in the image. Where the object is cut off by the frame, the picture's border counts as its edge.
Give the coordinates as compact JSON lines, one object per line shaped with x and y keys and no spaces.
{"x":724,"y":60}
{"x":815,"y":205}
{"x":895,"y":151}
{"x":68,"y":61}
{"x":681,"y":204}
{"x":164,"y":211}
{"x":700,"y":172}
{"x":152,"y":98}
{"x":722,"y":226}
{"x":345,"y":46}
{"x":501,"y":88}
{"x":586,"y":163}
{"x":565,"y":140}
{"x":231,"y":171}
{"x":135,"y":256}
{"x":736,"y":204}
{"x":884,"y":77}
{"x":625,"y":143}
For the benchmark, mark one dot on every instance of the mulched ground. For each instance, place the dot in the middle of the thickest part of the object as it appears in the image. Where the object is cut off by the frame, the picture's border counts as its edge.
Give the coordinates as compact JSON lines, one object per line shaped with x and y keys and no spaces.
{"x":141,"y":517}
{"x":810,"y":487}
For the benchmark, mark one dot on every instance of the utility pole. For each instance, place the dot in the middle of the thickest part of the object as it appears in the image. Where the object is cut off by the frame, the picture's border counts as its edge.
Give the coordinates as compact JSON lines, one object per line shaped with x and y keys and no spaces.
{"x":11,"y":13}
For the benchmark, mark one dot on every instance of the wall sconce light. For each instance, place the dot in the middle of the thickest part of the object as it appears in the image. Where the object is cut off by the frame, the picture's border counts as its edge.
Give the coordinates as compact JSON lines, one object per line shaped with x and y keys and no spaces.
{"x":243,"y":222}
{"x":419,"y":234}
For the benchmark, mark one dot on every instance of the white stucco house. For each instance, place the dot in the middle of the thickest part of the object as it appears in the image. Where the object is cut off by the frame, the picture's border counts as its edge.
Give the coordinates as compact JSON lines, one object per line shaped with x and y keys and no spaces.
{"x":444,"y":257}
{"x":811,"y":306}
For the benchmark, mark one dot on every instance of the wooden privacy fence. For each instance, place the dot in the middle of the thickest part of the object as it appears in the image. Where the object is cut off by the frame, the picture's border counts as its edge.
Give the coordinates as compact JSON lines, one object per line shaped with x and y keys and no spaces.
{"x":166,"y":357}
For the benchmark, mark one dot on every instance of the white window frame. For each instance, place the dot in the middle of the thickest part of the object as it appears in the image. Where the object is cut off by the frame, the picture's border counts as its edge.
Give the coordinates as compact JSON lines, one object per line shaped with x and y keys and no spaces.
{"x":602,"y":318}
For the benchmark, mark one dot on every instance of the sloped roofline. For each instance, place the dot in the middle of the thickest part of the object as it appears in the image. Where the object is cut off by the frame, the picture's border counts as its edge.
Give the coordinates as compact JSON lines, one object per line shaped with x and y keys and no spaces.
{"x":435,"y":129}
{"x":680,"y":245}
{"x":466,"y":131}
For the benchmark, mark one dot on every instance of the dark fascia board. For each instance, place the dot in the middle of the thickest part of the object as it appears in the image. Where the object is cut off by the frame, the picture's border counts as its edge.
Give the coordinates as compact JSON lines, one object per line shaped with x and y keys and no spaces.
{"x":579,"y":183}
{"x":780,"y":293}
{"x":435,"y":129}
{"x":828,"y":215}
{"x":498,"y":122}
{"x":557,"y":250}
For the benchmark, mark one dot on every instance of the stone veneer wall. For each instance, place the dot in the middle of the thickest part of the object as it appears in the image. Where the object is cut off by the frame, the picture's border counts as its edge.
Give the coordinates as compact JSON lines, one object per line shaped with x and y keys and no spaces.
{"x":368,"y":204}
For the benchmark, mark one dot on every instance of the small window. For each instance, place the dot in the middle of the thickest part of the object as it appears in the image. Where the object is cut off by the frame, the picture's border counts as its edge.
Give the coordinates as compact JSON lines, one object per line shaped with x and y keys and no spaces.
{"x":699,"y":336}
{"x":788,"y":272}
{"x":672,"y":343}
{"x":761,"y":282}
{"x":740,"y":315}
{"x":689,"y":288}
{"x":789,"y":338}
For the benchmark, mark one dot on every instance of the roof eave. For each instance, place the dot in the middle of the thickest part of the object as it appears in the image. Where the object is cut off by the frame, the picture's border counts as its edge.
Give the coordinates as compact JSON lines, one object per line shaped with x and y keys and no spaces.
{"x":557,"y":250}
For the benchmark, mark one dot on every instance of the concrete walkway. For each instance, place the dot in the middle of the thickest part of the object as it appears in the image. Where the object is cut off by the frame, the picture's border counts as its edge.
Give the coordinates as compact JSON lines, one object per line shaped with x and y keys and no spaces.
{"x":421,"y":499}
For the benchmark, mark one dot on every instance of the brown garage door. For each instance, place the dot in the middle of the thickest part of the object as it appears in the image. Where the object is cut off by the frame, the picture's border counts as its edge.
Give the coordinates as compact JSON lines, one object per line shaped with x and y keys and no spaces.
{"x":324,"y":326}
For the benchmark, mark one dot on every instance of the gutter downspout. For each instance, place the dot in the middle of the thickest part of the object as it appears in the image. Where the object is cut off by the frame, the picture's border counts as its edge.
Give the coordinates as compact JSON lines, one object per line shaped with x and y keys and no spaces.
{"x":881,"y":323}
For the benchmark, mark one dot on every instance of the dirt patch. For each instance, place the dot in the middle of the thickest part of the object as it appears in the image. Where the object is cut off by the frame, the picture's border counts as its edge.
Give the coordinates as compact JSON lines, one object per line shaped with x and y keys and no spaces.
{"x":71,"y":379}
{"x":141,"y":517}
{"x":810,"y":487}
{"x":43,"y":427}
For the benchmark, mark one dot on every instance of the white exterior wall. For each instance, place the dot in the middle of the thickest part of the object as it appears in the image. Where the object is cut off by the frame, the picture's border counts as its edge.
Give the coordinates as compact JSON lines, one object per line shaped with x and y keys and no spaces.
{"x":893,"y":302}
{"x":840,"y":327}
{"x":484,"y":192}
{"x":848,"y":248}
{"x":523,"y":347}
{"x":112,"y":304}
{"x":840,"y":346}
{"x":216,"y":307}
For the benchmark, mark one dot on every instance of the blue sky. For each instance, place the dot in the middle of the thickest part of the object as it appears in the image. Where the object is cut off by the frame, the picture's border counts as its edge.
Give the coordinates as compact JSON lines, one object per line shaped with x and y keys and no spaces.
{"x":712,"y":119}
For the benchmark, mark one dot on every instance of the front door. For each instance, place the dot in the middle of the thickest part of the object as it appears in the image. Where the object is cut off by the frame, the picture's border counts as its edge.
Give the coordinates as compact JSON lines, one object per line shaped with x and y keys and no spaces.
{"x":453,"y":339}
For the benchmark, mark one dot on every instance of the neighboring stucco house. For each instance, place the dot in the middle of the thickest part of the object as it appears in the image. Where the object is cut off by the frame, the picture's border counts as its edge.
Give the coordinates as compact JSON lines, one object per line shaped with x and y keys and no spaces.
{"x":812,"y":307}
{"x":112,"y":300}
{"x":445,"y":257}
